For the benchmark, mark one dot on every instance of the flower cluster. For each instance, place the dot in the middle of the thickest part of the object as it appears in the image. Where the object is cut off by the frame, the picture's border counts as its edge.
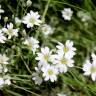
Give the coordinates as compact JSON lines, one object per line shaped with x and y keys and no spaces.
{"x":51,"y":64}
{"x":5,"y":80}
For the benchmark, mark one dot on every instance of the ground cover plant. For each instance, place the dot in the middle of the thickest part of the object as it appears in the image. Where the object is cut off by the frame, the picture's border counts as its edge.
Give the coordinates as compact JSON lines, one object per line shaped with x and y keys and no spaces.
{"x":47,"y":48}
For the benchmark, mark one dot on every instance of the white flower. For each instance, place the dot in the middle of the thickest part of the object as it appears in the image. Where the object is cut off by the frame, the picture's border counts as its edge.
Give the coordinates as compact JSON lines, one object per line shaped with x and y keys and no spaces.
{"x":67,"y":13}
{"x":7,"y":80}
{"x":2,"y":37}
{"x":45,"y":55}
{"x":17,"y":21}
{"x":46,"y":29}
{"x":3,"y":69}
{"x":1,"y":11}
{"x":32,"y":19}
{"x":10,"y":31}
{"x":66,"y":49}
{"x":36,"y":76}
{"x":29,"y":3}
{"x":37,"y":79}
{"x":4,"y":59}
{"x":1,"y":82}
{"x":32,"y":43}
{"x":93,"y":57}
{"x":4,"y":81}
{"x":85,"y":16}
{"x":62,"y":62}
{"x":61,"y":94}
{"x":50,"y":73}
{"x":90,"y":68}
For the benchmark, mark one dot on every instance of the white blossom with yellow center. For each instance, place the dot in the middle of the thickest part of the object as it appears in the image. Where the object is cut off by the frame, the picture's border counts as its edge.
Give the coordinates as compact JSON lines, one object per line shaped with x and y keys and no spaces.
{"x":62,"y":62}
{"x":32,"y":43}
{"x":50,"y":73}
{"x":10,"y":31}
{"x":32,"y":19}
{"x":45,"y":55}
{"x":66,"y":49}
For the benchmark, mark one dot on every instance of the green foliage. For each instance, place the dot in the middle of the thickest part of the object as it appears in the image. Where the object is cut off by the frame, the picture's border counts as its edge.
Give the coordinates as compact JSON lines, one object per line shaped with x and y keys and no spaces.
{"x":23,"y":61}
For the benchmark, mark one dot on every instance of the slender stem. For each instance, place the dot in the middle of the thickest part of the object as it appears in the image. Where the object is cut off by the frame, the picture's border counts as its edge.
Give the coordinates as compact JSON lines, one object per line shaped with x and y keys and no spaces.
{"x":25,"y":90}
{"x":65,"y":3}
{"x":45,"y":11}
{"x":21,"y":75}
{"x":26,"y":65}
{"x":78,"y":67}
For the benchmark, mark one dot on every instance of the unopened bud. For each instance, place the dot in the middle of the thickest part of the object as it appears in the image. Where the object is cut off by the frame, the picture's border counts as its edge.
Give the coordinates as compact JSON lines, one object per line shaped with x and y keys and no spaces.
{"x":29,"y":3}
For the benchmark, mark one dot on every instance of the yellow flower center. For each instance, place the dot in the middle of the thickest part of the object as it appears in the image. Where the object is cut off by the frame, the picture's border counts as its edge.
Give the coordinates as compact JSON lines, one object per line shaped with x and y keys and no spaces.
{"x":93,"y":69}
{"x":63,"y":61}
{"x":32,"y":20}
{"x":46,"y":57}
{"x":1,"y":61}
{"x":30,"y":45}
{"x":50,"y":72}
{"x":45,"y":29}
{"x":10,"y":31}
{"x":66,"y":49}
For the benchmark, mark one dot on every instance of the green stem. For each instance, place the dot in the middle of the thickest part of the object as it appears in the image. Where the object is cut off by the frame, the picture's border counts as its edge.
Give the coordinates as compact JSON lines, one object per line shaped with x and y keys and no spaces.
{"x":78,"y":67}
{"x":25,"y":90}
{"x":27,"y":76}
{"x":26,"y":65}
{"x":45,"y":11}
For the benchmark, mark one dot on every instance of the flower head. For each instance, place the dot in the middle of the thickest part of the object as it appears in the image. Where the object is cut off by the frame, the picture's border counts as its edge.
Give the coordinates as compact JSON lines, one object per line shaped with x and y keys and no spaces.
{"x":62,"y":62}
{"x":4,"y":81}
{"x":44,"y":55}
{"x":50,"y":73}
{"x":66,"y":49}
{"x":36,"y":76}
{"x":89,"y":68}
{"x":32,"y":43}
{"x":1,"y":82}
{"x":10,"y":31}
{"x":2,"y":37}
{"x":32,"y":19}
{"x":3,"y":69}
{"x":46,"y":29}
{"x":67,"y":13}
{"x":3,"y":59}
